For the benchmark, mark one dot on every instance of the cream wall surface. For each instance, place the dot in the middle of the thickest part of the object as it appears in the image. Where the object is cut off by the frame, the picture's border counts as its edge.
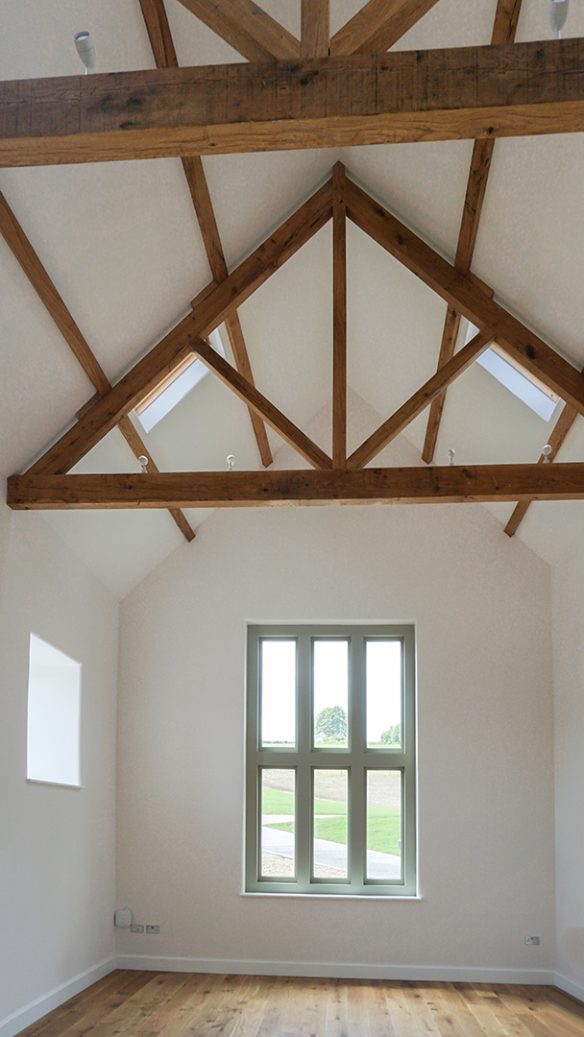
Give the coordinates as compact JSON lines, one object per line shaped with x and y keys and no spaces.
{"x":56,"y":844}
{"x":481,"y":605}
{"x":568,"y":641}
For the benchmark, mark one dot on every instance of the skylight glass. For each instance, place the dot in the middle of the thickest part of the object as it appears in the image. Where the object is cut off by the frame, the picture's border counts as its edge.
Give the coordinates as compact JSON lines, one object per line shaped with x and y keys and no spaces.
{"x":171,"y":394}
{"x":536,"y":396}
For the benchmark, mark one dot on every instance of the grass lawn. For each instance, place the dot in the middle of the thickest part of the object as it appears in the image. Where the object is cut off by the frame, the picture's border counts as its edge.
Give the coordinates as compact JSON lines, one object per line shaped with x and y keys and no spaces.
{"x":383,"y":829}
{"x":279,"y":801}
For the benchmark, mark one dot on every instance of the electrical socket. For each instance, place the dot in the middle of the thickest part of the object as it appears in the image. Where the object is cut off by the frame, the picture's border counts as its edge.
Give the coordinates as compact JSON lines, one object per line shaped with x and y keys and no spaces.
{"x":136,"y":928}
{"x":532,"y":941}
{"x":152,"y":929}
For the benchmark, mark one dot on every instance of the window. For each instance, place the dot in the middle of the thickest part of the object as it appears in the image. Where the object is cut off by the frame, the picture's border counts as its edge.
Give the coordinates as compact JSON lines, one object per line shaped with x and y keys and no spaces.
{"x":537,"y":396}
{"x":173,"y":388}
{"x":331,"y":777}
{"x":54,"y":702}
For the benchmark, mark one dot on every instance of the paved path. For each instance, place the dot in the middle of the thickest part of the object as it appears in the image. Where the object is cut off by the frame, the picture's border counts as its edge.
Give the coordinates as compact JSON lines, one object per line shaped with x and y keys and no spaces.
{"x":331,"y":855}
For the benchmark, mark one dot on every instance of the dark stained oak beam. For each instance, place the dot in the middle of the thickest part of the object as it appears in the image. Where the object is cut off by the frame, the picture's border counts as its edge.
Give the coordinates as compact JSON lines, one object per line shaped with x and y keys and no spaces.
{"x":463,"y":294}
{"x":479,"y":92}
{"x":449,"y":485}
{"x":210,"y":310}
{"x":504,"y":29}
{"x":247,"y":28}
{"x":378,"y":25}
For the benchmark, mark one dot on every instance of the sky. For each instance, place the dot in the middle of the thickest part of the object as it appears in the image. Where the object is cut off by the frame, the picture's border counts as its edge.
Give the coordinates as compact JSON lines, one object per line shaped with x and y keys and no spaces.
{"x":330,"y":685}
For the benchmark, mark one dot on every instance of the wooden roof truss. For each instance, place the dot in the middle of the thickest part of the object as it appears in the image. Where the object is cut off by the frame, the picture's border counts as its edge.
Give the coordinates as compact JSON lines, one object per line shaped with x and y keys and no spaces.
{"x":316,"y":91}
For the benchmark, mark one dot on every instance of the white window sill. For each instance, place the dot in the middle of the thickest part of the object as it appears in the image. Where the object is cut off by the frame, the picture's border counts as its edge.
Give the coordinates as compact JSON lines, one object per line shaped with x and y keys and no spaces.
{"x":53,"y":784}
{"x":361,"y":897}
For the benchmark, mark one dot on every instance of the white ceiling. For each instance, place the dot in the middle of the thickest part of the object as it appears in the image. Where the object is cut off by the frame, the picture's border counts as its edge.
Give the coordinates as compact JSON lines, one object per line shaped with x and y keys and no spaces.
{"x":122,"y":244}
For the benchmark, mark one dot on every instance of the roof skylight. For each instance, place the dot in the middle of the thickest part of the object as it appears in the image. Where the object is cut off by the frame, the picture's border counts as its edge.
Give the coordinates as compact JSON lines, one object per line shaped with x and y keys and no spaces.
{"x":165,"y":397}
{"x":541,"y":400}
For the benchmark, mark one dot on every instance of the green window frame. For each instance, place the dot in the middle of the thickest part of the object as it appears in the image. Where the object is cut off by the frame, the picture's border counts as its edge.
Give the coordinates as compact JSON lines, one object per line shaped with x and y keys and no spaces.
{"x":357,"y":759}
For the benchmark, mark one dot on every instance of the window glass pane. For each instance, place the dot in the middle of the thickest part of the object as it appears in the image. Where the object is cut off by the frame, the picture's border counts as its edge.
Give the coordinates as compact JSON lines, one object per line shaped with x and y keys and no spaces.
{"x":331,"y":828}
{"x":54,"y":705}
{"x":278,"y":693}
{"x":278,"y":823}
{"x":384,"y":825}
{"x":331,"y":694}
{"x":384,"y":682}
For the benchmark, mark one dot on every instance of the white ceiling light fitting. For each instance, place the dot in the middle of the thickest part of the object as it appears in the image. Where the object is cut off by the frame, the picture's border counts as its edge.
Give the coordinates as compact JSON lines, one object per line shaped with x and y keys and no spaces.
{"x":558,"y":15}
{"x":85,"y":49}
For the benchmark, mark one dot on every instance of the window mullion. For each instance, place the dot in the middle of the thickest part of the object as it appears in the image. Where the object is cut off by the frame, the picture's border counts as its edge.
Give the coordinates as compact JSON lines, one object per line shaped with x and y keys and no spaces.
{"x":303,"y":772}
{"x":357,"y":771}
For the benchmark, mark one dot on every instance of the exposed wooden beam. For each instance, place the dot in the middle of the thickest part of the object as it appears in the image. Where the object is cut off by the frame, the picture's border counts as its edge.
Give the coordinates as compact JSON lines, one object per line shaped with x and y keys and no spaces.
{"x":447,"y":347}
{"x":139,"y":448}
{"x":339,"y":318}
{"x":247,"y":28}
{"x":159,"y":34}
{"x":507,"y":90}
{"x":264,"y":407}
{"x":504,"y":29}
{"x":242,"y":362}
{"x":199,"y":189}
{"x":315,"y":17}
{"x":23,"y":251}
{"x":211,"y":309}
{"x":462,"y":293}
{"x":378,"y":25}
{"x":506,"y":21}
{"x":164,"y":52}
{"x":556,"y":440}
{"x":420,"y":400}
{"x":420,"y":485}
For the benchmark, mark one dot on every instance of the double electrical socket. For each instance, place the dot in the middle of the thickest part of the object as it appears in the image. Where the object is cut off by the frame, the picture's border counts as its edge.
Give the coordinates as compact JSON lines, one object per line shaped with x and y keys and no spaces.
{"x":150,"y":929}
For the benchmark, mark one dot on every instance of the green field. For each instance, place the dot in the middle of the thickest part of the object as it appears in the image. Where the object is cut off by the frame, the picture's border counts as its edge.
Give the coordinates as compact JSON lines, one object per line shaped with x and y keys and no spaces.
{"x":383,"y":829}
{"x":280,"y":801}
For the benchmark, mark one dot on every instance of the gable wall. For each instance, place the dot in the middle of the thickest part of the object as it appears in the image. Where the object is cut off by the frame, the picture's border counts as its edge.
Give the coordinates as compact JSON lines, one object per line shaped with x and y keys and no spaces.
{"x":481,"y":604}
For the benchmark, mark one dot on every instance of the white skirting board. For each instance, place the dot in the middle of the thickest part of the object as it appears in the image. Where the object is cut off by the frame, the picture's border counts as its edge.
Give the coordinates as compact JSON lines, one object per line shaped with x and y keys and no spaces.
{"x":569,"y":986}
{"x":34,"y":1010}
{"x":336,"y":970}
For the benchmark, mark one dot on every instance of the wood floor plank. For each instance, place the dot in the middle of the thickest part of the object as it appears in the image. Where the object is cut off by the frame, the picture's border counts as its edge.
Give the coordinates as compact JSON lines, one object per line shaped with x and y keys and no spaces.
{"x":147,"y":1004}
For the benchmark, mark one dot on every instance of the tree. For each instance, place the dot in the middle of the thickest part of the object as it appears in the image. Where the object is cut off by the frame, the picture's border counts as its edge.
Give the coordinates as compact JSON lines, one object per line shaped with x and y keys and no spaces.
{"x":331,"y":724}
{"x":392,"y":736}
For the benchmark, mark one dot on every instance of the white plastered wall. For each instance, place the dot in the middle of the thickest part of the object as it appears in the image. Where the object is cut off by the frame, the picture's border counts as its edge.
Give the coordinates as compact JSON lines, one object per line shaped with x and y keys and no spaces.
{"x":568,"y":642}
{"x":56,"y":844}
{"x":481,"y":604}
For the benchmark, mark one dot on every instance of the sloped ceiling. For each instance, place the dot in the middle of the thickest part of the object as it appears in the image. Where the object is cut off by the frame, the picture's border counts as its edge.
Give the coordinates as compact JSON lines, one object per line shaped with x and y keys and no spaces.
{"x":123,"y":247}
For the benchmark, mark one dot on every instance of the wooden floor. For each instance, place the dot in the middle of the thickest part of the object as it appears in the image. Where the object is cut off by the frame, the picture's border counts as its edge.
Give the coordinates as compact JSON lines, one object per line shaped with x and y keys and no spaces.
{"x":150,"y":1004}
